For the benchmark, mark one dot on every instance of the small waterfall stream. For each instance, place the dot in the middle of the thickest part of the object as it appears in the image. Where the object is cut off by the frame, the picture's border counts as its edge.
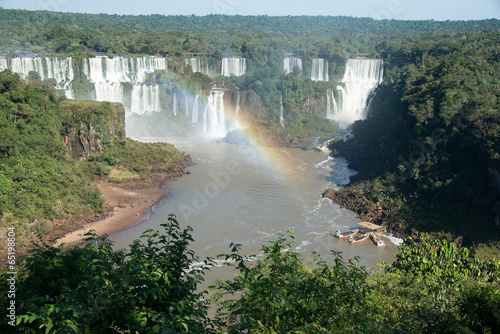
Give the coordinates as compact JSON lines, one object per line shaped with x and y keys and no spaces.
{"x":282,"y":119}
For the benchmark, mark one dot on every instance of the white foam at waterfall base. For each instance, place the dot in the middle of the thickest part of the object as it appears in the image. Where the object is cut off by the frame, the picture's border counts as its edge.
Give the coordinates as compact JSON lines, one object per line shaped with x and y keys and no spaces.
{"x":69,"y":94}
{"x":361,"y":77}
{"x":394,"y":240}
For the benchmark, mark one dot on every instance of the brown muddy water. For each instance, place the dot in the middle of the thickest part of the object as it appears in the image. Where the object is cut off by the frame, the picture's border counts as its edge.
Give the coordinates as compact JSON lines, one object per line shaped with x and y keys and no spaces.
{"x":248,"y":195}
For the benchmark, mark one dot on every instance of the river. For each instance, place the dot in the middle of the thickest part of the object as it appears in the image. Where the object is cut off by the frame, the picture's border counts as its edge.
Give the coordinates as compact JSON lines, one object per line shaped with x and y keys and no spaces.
{"x":248,"y":195}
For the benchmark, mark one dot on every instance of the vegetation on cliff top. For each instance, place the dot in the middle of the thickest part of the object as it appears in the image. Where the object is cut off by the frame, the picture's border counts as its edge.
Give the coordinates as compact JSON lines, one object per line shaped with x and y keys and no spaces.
{"x":52,"y":149}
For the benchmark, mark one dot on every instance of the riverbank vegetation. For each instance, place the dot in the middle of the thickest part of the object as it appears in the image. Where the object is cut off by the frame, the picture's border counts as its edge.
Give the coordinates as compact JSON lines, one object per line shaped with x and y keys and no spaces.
{"x":53,"y":149}
{"x":433,"y":286}
{"x":428,"y":156}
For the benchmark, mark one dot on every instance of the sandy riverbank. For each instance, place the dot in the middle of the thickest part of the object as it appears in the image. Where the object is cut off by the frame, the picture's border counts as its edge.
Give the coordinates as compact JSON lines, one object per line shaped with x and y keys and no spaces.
{"x":125,"y":205}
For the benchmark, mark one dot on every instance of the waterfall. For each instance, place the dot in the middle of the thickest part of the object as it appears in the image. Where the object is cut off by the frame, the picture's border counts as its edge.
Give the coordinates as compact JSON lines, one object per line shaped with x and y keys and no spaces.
{"x":237,"y":112}
{"x":109,"y":74}
{"x":145,"y":65}
{"x":198,"y":65}
{"x":110,"y":92}
{"x":4,"y":65}
{"x":93,"y":69}
{"x":174,"y":102}
{"x":201,"y":65}
{"x":360,"y":78}
{"x":25,"y":65}
{"x":290,"y":62}
{"x":186,"y":105}
{"x":282,"y":120}
{"x":236,"y":66}
{"x":59,"y":69}
{"x":145,"y":99}
{"x":319,"y":70}
{"x":194,"y":116}
{"x":331,"y":105}
{"x":214,"y":122}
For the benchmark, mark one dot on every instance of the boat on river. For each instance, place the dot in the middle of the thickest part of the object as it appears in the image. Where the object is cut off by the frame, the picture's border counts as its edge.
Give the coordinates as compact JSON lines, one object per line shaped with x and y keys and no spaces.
{"x":347,"y":233}
{"x":377,"y":240}
{"x":358,"y":238}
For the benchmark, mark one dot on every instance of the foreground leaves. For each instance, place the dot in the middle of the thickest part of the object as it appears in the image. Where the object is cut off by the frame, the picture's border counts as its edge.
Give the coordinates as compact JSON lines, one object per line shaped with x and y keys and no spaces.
{"x":97,"y":289}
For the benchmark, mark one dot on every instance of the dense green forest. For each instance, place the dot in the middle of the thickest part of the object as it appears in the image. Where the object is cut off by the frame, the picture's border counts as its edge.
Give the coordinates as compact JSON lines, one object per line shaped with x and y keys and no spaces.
{"x":428,"y":157}
{"x":254,"y":36}
{"x":432,"y":287}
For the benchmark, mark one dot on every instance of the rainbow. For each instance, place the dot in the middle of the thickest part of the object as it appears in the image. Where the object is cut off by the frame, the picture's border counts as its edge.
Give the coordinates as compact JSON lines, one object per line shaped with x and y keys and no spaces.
{"x":275,"y":158}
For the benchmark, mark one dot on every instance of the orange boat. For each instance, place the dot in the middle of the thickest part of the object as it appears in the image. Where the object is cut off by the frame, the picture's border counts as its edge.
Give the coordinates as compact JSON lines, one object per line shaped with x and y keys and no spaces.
{"x":347,"y":233}
{"x":358,"y":238}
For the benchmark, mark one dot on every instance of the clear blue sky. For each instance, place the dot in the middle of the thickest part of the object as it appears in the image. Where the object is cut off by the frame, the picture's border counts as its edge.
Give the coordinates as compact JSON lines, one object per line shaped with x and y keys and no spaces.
{"x":391,"y":9}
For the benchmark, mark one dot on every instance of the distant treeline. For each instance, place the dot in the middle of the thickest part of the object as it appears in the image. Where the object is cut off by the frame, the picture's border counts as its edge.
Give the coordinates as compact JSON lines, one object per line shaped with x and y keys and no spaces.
{"x":158,"y":34}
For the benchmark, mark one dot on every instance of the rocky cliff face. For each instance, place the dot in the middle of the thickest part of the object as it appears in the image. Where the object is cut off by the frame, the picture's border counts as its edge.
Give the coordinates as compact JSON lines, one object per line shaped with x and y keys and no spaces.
{"x":90,"y":125}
